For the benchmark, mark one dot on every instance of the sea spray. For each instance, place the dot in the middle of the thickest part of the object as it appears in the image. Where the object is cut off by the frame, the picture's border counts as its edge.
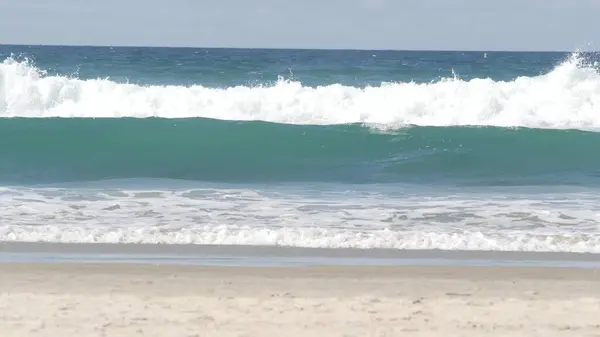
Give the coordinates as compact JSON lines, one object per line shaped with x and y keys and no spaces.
{"x":566,"y":97}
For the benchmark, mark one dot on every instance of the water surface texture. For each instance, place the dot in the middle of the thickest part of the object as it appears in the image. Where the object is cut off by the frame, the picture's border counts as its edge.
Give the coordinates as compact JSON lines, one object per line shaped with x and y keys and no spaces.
{"x":302,"y":148}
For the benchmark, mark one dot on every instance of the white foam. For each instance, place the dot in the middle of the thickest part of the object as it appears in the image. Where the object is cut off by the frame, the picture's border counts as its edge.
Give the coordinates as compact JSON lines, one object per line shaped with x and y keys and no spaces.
{"x":567,"y":97}
{"x":562,"y":222}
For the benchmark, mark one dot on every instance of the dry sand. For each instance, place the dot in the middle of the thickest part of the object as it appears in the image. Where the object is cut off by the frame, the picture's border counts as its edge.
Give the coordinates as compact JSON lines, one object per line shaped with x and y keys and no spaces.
{"x":117,"y":300}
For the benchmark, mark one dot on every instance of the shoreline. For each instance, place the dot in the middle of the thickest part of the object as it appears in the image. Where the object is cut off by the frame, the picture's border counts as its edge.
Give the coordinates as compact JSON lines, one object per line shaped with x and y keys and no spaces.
{"x":277,"y":256}
{"x":129,"y":300}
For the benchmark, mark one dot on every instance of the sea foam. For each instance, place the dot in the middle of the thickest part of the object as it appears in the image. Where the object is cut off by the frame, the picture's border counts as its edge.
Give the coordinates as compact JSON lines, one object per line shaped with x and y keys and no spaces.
{"x":566,"y":97}
{"x":559,"y":222}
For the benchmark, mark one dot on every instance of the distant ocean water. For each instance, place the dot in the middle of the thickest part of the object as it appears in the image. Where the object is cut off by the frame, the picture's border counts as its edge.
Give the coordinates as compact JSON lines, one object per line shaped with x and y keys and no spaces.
{"x":306,"y":148}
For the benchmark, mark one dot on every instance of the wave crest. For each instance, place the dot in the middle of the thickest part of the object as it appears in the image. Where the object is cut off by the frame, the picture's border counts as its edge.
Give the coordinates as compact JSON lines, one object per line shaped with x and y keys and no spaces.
{"x":566,"y":97}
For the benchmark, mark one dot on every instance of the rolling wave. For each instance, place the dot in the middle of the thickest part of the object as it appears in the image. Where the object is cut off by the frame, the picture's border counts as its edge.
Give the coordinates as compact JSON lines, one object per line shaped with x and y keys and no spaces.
{"x":567,"y":97}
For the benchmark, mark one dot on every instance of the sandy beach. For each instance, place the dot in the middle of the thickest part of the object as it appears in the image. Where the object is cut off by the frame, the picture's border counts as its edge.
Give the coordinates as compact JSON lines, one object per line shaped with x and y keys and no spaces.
{"x":146,"y":300}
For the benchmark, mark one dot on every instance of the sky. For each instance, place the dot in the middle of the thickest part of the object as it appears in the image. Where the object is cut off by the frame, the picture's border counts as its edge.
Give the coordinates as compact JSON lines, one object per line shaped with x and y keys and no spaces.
{"x":563,"y":25}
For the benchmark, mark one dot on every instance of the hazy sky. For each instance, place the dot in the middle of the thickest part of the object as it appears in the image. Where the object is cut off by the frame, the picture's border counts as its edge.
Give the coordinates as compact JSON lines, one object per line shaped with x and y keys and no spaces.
{"x":362,"y":24}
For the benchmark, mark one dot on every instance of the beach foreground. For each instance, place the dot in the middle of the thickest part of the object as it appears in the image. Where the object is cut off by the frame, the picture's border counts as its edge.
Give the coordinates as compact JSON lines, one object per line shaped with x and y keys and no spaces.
{"x":129,"y":300}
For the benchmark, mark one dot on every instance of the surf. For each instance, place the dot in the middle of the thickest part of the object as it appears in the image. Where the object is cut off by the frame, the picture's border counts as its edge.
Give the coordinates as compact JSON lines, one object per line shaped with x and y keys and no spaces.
{"x":568,"y":97}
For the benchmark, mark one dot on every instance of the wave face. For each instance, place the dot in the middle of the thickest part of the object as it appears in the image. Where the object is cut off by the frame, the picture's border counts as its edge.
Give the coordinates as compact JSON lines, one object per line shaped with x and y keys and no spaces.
{"x":567,"y":97}
{"x":66,"y":150}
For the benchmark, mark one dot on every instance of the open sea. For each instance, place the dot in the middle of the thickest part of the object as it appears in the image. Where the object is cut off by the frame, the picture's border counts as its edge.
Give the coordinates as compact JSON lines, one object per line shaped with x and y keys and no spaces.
{"x":402,"y":150}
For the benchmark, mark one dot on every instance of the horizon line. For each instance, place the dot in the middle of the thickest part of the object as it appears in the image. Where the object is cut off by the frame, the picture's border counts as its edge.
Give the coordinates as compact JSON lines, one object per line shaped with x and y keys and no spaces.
{"x":301,"y":48}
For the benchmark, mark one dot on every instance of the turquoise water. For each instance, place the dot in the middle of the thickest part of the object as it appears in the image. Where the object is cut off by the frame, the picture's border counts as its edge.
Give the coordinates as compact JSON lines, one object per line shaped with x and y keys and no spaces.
{"x":304,"y":148}
{"x":52,"y":150}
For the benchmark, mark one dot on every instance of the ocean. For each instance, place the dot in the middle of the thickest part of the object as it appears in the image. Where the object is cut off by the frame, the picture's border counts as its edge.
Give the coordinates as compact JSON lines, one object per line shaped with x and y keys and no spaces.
{"x":401,"y":150}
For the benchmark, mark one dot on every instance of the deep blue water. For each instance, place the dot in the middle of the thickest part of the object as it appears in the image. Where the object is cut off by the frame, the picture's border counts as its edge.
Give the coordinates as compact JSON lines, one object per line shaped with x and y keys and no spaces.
{"x":228,"y":67}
